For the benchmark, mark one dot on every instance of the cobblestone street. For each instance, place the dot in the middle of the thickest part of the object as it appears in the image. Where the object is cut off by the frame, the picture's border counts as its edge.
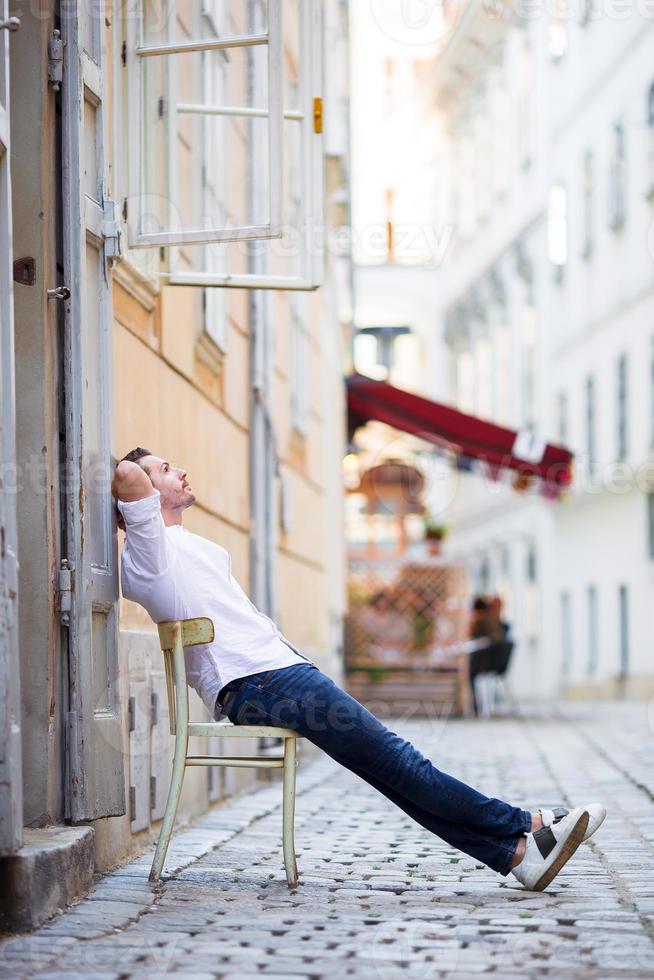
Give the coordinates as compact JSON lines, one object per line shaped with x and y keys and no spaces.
{"x":378,"y":896}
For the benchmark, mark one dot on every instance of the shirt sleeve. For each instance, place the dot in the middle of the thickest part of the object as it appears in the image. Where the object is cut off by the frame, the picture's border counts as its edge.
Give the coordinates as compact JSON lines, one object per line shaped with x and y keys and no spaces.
{"x":146,"y":546}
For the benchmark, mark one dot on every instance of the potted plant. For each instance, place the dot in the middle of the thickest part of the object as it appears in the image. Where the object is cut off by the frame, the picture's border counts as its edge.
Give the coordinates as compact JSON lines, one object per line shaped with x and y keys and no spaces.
{"x":435,"y":531}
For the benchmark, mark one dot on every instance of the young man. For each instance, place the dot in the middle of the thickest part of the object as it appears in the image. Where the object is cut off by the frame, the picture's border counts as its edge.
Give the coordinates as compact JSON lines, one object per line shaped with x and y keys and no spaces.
{"x":254,"y":675}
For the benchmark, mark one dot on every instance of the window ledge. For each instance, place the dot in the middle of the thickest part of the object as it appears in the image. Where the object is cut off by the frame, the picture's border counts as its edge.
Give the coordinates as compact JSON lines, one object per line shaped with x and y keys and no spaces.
{"x":208,"y":351}
{"x":143,"y":288}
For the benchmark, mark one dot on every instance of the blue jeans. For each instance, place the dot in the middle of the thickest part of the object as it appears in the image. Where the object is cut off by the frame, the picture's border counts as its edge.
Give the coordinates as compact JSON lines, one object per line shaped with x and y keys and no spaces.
{"x":302,"y":698}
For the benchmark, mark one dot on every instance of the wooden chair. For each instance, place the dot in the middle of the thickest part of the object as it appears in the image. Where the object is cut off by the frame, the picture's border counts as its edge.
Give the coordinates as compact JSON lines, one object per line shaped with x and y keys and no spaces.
{"x":174,"y":636}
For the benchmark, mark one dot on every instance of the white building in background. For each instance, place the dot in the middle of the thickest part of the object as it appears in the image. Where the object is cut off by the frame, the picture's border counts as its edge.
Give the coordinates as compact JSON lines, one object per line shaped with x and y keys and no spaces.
{"x":546,"y":173}
{"x":393,"y":184}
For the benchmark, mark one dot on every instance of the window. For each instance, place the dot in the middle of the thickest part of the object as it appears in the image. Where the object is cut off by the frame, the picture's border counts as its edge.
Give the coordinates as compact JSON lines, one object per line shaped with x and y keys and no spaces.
{"x":563,"y":418}
{"x":501,"y":130}
{"x":650,"y":142}
{"x":650,"y":524}
{"x":484,"y":575}
{"x":557,"y":226}
{"x":622,"y":433}
{"x":590,"y":424}
{"x":558,"y":34}
{"x":527,"y":106}
{"x":529,"y":366}
{"x":532,"y":567}
{"x":484,"y":377}
{"x":618,"y":179}
{"x":299,"y":365}
{"x":566,"y":632}
{"x":593,"y":631}
{"x":214,"y":180}
{"x":623,"y":639}
{"x":468,"y":198}
{"x":500,"y":118}
{"x":587,"y":12}
{"x":588,"y":196}
{"x":232,"y":186}
{"x":502,"y":373}
{"x":466,"y":382}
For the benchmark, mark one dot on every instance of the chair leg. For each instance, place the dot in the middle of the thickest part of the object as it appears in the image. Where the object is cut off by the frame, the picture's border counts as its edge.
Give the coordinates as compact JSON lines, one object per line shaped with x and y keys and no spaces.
{"x":482,"y":695}
{"x":288,"y":817}
{"x":168,"y":823}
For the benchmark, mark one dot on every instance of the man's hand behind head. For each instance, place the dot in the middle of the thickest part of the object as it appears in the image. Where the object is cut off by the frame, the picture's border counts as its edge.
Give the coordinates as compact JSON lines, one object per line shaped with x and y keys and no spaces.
{"x":130,"y":482}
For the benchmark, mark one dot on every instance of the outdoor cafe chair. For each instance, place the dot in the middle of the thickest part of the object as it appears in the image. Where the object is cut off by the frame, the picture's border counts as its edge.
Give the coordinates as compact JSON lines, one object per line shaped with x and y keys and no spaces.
{"x":173,"y":637}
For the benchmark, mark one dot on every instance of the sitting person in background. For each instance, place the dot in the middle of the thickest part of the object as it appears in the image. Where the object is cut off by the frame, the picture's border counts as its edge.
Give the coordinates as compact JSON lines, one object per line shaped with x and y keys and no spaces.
{"x":486,"y":624}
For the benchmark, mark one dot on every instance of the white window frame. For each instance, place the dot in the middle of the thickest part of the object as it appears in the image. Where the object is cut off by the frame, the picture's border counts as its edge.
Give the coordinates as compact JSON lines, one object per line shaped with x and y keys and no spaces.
{"x":136,"y":53}
{"x":311,"y":218}
{"x":214,"y":300}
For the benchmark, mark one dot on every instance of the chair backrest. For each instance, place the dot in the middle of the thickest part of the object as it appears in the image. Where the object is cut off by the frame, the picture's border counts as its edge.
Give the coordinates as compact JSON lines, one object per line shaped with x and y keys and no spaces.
{"x":504,"y":658}
{"x":173,"y":637}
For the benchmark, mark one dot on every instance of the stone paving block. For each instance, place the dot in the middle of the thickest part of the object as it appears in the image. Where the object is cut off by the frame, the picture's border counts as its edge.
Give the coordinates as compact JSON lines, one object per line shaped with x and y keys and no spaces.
{"x":378,"y":896}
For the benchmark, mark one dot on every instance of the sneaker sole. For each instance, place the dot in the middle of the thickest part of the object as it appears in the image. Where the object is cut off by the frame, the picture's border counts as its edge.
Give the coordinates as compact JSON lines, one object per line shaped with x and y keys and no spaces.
{"x":574,"y":839}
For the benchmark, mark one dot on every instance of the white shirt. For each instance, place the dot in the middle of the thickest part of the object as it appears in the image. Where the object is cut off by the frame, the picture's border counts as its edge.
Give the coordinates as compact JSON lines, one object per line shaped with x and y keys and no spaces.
{"x":176,"y":574}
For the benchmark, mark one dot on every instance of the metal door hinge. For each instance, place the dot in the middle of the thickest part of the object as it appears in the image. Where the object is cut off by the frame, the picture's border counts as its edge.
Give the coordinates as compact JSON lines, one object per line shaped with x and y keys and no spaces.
{"x":317,"y":115}
{"x":153,"y":792}
{"x":132,"y":803}
{"x":131,"y":714}
{"x":154,"y":708}
{"x":111,"y":230}
{"x":123,"y":53}
{"x":161,"y":106}
{"x":10,"y":24}
{"x":65,"y":586}
{"x":55,"y":61}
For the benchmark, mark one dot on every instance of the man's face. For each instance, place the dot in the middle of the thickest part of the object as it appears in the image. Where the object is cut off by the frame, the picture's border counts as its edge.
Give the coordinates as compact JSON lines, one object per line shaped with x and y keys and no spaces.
{"x":171,"y":482}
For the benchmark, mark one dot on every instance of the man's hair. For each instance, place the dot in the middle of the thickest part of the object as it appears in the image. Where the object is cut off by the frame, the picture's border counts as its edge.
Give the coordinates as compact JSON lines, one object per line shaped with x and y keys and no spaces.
{"x":135,"y":455}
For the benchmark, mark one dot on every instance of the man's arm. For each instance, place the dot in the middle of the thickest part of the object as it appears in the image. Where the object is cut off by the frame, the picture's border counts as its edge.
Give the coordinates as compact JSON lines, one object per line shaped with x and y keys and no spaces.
{"x":131,"y":482}
{"x":139,"y":511}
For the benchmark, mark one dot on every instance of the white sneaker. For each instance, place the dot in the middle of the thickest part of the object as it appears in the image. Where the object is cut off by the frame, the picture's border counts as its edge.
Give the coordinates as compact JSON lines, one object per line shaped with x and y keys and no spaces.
{"x":549,"y":848}
{"x":596,"y":812}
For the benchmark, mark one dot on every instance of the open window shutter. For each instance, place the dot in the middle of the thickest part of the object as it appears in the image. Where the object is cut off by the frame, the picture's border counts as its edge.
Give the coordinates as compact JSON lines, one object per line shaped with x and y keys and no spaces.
{"x":163,"y":57}
{"x":266,"y":134}
{"x":11,"y":808}
{"x":95,"y":756}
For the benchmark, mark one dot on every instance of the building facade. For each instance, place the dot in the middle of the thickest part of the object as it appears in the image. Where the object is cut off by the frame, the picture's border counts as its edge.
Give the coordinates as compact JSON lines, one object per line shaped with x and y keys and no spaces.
{"x":546,"y":153}
{"x":175,"y":172}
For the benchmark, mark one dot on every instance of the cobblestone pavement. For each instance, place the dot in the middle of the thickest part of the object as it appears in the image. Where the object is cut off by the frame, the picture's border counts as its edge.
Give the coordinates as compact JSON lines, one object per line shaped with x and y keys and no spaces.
{"x":379,"y":897}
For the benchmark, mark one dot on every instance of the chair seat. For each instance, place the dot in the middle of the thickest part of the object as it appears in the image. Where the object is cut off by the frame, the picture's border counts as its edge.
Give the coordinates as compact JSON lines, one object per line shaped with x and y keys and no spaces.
{"x":225,"y":729}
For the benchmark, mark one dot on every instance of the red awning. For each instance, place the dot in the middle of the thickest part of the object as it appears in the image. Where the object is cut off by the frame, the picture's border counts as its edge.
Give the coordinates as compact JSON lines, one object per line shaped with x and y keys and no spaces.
{"x":463,"y":435}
